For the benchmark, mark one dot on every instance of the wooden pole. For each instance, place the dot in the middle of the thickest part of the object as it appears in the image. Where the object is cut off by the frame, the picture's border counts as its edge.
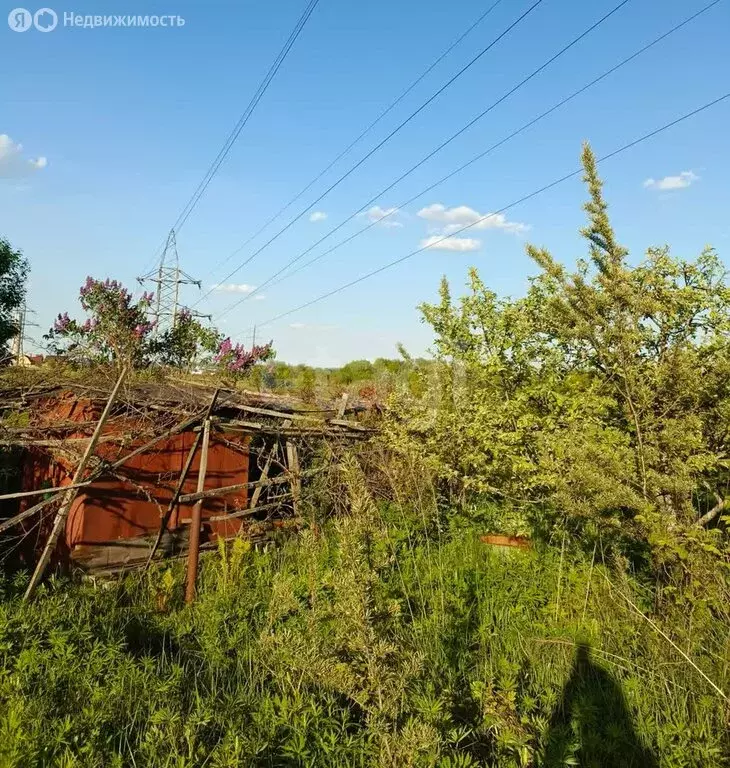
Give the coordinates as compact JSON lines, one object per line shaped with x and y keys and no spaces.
{"x":194,"y":546}
{"x":59,"y":524}
{"x":292,"y":460}
{"x":165,"y":518}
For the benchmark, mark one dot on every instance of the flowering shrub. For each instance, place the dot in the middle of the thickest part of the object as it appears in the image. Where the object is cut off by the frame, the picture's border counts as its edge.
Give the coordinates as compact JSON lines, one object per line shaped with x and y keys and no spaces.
{"x":117,"y":328}
{"x":234,"y":359}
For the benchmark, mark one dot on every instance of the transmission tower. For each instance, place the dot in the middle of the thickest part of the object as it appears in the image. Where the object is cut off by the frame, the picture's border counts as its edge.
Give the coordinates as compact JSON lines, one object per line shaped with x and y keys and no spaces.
{"x":168,"y":278}
{"x":17,"y":348}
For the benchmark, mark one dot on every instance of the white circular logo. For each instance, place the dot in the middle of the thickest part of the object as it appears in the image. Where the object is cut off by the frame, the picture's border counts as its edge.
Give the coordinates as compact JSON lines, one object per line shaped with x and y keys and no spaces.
{"x":45,"y":20}
{"x":20,"y":20}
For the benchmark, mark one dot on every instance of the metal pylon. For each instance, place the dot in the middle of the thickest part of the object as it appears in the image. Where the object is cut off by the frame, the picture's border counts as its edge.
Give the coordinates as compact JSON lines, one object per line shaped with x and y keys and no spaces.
{"x":167,"y":278}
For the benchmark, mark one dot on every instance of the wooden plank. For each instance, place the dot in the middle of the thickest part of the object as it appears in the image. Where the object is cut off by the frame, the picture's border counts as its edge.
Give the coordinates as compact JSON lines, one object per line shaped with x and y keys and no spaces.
{"x":59,"y":524}
{"x":194,"y":549}
{"x":276,"y":414}
{"x":58,"y":442}
{"x":343,"y":406}
{"x":350,"y":425}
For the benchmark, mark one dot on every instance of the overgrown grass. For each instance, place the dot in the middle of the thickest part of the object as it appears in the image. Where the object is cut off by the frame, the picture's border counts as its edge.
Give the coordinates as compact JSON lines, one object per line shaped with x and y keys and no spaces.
{"x":367,"y":643}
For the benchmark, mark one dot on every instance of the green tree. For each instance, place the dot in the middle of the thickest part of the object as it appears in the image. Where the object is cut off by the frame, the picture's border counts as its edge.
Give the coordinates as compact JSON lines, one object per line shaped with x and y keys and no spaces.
{"x":357,"y":370}
{"x":13,"y":275}
{"x":601,"y":398}
{"x":187,"y":344}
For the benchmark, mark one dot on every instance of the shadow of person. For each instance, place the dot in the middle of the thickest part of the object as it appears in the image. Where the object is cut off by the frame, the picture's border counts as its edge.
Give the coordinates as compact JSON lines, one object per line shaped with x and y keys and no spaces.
{"x":592,"y":722}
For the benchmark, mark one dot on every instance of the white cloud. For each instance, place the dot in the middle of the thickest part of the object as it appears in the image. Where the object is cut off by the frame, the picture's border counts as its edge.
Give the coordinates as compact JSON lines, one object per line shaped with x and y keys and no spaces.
{"x":233,"y":288}
{"x":460,"y":216}
{"x":259,"y":297}
{"x":317,"y":216}
{"x":442,"y":243}
{"x":310,"y":327}
{"x":13,"y":164}
{"x":684,"y":179}
{"x":383,"y":216}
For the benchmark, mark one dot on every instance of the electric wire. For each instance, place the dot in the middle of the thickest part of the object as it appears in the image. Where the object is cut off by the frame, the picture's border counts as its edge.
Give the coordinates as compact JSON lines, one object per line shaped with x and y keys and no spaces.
{"x":365,"y":132}
{"x":505,"y":208}
{"x":431,"y":154}
{"x":378,"y":146}
{"x":240,"y":125}
{"x":501,"y":142}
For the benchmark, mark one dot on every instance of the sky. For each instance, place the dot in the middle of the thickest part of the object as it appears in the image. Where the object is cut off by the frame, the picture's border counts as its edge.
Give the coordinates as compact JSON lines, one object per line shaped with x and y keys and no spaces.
{"x":106,"y":132}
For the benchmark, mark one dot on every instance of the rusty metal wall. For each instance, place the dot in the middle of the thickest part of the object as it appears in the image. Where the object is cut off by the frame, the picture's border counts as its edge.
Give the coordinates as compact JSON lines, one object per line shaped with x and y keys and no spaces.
{"x":118,"y":509}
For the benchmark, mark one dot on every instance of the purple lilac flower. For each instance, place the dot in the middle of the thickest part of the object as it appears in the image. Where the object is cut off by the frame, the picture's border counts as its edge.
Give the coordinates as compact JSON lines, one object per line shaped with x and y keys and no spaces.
{"x":62,"y":323}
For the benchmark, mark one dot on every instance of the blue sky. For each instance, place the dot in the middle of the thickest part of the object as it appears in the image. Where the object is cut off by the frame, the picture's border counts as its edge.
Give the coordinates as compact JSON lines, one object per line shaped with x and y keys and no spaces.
{"x":118,"y":126}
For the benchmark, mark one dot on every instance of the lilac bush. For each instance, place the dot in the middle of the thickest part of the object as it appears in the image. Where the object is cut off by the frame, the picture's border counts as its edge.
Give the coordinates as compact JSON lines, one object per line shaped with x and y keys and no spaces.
{"x":235,"y":359}
{"x":117,"y":329}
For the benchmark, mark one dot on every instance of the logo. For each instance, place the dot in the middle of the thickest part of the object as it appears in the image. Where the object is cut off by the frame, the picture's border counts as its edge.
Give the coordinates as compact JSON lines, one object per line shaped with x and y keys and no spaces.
{"x":20,"y":20}
{"x":45,"y":20}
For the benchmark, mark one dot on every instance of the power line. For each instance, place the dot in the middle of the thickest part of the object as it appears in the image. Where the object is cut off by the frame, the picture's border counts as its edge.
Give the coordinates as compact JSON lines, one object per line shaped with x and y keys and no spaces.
{"x":431,"y":154}
{"x":498,"y":144}
{"x":233,"y":136}
{"x":523,"y":199}
{"x":378,"y":146}
{"x":365,"y":132}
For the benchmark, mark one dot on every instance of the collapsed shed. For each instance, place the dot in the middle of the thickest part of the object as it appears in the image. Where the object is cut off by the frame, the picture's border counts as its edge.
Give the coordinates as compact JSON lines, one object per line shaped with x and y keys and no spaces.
{"x":160,"y":454}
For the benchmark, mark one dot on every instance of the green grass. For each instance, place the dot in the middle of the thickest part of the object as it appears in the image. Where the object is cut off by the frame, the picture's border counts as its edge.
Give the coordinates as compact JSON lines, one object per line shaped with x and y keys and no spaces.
{"x":366,"y":644}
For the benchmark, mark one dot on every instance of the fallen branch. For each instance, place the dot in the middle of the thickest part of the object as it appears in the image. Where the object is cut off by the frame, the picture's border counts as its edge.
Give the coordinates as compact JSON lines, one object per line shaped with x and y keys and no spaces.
{"x":708,"y":517}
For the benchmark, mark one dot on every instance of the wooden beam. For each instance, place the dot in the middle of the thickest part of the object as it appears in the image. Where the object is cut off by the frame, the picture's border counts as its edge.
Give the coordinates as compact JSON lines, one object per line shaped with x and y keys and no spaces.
{"x":194,"y":549}
{"x":59,"y":524}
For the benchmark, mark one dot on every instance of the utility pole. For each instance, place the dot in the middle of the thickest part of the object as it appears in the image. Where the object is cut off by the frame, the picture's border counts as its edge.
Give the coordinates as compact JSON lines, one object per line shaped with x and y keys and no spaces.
{"x":168,"y":278}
